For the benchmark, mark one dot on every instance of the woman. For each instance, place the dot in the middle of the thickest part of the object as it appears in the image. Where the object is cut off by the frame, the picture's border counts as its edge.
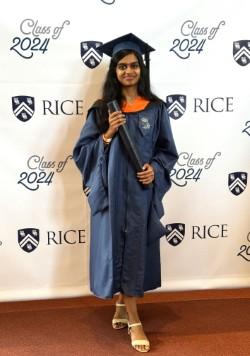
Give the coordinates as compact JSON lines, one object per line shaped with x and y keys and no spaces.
{"x":125,"y":211}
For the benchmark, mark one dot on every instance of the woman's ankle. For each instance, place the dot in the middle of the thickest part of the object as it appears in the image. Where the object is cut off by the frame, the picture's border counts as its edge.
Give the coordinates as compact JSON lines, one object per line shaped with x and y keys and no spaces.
{"x":120,"y":299}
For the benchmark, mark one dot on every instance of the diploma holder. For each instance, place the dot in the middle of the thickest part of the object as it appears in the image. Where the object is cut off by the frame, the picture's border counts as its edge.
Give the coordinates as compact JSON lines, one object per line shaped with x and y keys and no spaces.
{"x":128,"y":142}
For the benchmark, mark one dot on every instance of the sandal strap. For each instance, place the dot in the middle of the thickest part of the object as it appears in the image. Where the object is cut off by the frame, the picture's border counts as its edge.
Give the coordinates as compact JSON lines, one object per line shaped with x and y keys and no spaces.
{"x":120,"y":305}
{"x":116,"y":320}
{"x":140,"y":342}
{"x":135,"y":324}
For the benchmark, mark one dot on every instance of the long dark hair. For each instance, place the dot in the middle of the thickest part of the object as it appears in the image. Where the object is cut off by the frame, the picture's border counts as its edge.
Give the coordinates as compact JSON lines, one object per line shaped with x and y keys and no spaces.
{"x":112,"y":89}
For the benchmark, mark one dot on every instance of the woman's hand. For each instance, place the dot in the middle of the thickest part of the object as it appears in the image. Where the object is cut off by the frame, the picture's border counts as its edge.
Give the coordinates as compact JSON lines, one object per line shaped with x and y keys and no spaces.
{"x":148,"y":174}
{"x":116,"y":119}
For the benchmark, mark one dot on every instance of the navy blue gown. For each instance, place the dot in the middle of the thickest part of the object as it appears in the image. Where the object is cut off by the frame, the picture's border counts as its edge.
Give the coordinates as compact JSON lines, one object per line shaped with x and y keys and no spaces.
{"x":125,"y":216}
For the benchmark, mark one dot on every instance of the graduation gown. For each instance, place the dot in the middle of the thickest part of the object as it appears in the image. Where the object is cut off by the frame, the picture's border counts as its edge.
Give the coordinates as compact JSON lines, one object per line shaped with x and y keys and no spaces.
{"x":125,"y":216}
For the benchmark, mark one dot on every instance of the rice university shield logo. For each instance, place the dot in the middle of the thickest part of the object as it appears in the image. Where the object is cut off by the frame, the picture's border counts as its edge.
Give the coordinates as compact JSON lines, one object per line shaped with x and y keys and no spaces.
{"x":23,"y":107}
{"x":90,"y":54}
{"x":28,"y":239}
{"x":241,"y":52}
{"x":176,"y":105}
{"x":175,"y":233}
{"x":237,"y":182}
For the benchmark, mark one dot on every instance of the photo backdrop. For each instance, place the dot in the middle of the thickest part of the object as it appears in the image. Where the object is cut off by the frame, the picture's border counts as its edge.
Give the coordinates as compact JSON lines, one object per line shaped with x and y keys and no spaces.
{"x":51,"y":72}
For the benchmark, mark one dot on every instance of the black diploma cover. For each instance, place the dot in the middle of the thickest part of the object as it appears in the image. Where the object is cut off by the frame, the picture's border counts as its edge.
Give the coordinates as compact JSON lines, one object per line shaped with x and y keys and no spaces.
{"x":128,"y":142}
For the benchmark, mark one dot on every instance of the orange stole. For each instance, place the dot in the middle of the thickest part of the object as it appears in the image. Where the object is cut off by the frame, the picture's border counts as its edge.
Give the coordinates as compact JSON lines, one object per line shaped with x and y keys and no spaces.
{"x":138,"y":104}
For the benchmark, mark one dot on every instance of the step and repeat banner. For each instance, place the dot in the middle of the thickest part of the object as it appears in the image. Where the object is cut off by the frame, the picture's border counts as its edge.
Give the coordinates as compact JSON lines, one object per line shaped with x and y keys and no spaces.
{"x":52,"y":71}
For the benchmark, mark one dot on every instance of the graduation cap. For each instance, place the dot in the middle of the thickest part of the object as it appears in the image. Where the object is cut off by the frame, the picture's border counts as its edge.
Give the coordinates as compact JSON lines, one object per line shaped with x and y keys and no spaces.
{"x":129,"y":41}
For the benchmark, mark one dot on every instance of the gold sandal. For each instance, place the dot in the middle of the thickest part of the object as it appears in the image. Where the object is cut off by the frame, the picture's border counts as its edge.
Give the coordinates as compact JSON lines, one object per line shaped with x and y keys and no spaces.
{"x":117,"y":320}
{"x":135,"y":343}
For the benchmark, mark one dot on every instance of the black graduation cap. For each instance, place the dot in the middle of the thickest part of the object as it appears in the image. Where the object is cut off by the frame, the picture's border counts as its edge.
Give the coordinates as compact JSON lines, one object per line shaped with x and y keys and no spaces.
{"x":129,"y":41}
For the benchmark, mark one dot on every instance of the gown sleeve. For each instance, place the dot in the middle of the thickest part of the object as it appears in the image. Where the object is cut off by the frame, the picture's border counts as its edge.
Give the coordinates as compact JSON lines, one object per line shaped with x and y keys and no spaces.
{"x":91,"y":157}
{"x":163,"y":160}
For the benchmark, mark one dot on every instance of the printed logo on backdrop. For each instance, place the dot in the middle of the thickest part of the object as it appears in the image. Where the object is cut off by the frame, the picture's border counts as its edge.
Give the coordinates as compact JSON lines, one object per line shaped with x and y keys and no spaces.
{"x":237,"y":182}
{"x":245,"y":250}
{"x":247,"y":128}
{"x":191,"y":167}
{"x":108,"y":2}
{"x":176,"y":105}
{"x":241,"y":52}
{"x":28,"y":239}
{"x":175,"y":233}
{"x":41,"y":171}
{"x":90,"y":55}
{"x":214,"y":231}
{"x":23,"y":107}
{"x":34,"y":37}
{"x":217,"y":104}
{"x":193,"y":37}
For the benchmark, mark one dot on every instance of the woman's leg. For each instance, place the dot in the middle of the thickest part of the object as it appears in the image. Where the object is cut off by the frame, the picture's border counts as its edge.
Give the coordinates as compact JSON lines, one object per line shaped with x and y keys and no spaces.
{"x":137,"y":332}
{"x":120,"y":298}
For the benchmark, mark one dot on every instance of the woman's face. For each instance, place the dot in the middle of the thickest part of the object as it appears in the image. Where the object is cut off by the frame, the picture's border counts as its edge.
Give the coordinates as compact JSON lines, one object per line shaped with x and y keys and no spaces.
{"x":128,"y":70}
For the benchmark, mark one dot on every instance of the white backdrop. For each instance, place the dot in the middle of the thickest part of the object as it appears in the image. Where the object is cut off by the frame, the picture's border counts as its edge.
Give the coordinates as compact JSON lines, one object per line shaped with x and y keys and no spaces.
{"x":200,"y":68}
